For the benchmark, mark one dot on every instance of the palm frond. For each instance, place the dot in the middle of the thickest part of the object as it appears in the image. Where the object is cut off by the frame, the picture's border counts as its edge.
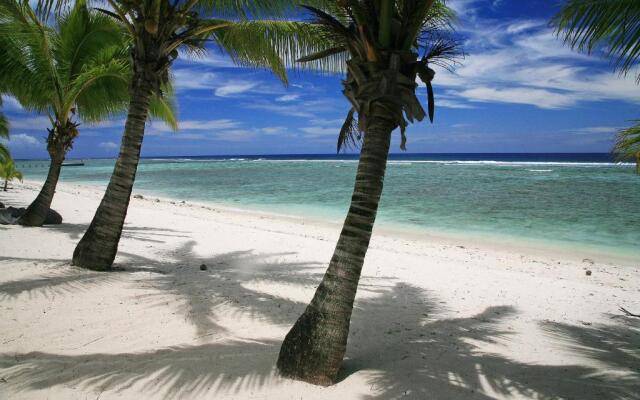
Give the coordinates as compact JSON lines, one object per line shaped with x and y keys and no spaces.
{"x":4,"y":153}
{"x":8,"y":170}
{"x":350,"y":135}
{"x":81,"y":65}
{"x":4,"y":126}
{"x":611,"y":25}
{"x":246,"y":8}
{"x":81,"y":36}
{"x":102,"y":88}
{"x":163,"y":106}
{"x":627,"y":144}
{"x":443,"y":51}
{"x":268,"y":44}
{"x":27,"y":68}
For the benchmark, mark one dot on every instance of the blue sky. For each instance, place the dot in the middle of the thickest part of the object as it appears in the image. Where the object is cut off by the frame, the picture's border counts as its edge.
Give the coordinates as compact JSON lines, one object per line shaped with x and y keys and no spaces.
{"x":518,"y":90}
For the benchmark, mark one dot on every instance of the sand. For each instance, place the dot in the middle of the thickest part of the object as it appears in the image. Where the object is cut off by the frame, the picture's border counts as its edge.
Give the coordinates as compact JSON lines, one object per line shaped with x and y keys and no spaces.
{"x":435,"y":318}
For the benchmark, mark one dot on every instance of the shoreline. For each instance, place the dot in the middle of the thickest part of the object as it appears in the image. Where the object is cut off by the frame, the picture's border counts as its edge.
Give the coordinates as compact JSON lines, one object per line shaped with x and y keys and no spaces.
{"x":493,"y":241}
{"x":504,"y":324}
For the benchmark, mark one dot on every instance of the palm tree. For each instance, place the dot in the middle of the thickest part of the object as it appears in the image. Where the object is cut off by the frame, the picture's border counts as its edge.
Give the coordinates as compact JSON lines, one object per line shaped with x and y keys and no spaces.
{"x":4,"y":134}
{"x":8,"y":172}
{"x":78,"y":68}
{"x":388,"y":44}
{"x":159,"y":30}
{"x":628,"y":145}
{"x":614,"y":27}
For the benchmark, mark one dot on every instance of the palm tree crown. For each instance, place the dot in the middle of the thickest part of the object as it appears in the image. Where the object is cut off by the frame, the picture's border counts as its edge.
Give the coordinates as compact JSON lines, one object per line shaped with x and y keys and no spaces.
{"x":77,"y":67}
{"x":385,"y":46}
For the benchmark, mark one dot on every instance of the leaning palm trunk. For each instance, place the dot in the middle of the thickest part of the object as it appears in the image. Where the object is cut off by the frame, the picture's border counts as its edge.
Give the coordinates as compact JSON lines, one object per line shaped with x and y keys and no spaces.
{"x":60,"y":140}
{"x":314,"y":348}
{"x":36,"y":213}
{"x":98,"y":247}
{"x":382,"y":69}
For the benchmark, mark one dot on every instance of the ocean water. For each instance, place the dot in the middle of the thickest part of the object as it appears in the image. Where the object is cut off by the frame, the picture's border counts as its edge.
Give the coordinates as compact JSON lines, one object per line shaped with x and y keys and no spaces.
{"x":581,"y":201}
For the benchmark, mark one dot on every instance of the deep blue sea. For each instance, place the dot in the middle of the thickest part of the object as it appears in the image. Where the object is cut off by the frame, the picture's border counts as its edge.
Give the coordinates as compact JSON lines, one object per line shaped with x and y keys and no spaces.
{"x":582,"y":201}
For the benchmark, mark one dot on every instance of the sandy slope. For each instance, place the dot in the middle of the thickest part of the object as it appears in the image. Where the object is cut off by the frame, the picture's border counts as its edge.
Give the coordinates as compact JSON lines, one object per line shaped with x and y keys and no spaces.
{"x":434,"y":319}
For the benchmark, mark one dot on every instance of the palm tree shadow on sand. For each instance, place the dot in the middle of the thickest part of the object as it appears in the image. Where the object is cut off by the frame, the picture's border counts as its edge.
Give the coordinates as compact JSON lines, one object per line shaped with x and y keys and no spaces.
{"x":400,"y":340}
{"x":411,"y":354}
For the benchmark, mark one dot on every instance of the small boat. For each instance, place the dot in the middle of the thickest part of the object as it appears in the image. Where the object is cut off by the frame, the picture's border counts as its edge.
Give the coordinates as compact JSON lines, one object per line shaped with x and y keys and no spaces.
{"x":73,"y":164}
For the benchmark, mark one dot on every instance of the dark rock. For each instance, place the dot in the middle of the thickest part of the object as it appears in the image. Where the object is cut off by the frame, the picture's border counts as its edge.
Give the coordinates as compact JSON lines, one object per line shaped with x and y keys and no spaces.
{"x":138,"y":196}
{"x":203,"y":267}
{"x":53,"y":218}
{"x":588,"y":272}
{"x":10,"y":216}
{"x":1,"y":204}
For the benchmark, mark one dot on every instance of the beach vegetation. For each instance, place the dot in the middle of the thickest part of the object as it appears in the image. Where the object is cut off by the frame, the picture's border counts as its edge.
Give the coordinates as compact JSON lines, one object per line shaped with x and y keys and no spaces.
{"x":9,"y":172}
{"x":385,"y":47}
{"x":613,"y":28}
{"x":74,"y":69}
{"x":627,"y":145}
{"x":4,"y":134}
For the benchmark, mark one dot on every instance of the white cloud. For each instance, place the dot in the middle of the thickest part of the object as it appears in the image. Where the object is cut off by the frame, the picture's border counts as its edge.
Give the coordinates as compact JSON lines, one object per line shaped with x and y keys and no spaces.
{"x":538,"y":97}
{"x":194,"y":79}
{"x":211,"y":59}
{"x":447,"y":103}
{"x":190,"y":125}
{"x":287,"y":110}
{"x":523,"y":62}
{"x":108,"y":146}
{"x":274,"y":130}
{"x":24,"y":140}
{"x":321,"y":131}
{"x":10,"y":103}
{"x":30,"y":123}
{"x":288,"y":97}
{"x":158,"y":129}
{"x":237,"y":87}
{"x":596,"y":130}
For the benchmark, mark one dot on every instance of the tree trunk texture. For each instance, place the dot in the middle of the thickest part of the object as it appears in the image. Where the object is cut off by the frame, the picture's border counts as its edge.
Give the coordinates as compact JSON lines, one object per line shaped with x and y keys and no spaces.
{"x":98,"y":247}
{"x":314,"y":348}
{"x":36,"y":213}
{"x":6,"y":182}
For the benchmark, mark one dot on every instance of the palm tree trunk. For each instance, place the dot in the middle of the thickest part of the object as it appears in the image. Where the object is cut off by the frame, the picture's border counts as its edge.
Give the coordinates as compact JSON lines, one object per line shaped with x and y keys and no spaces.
{"x":98,"y":247}
{"x":314,"y":348}
{"x":6,"y":182}
{"x":37,"y":212}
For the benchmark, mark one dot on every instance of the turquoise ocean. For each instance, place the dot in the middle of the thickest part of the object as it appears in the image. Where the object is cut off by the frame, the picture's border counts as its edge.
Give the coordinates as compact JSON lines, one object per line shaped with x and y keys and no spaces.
{"x":576,"y":201}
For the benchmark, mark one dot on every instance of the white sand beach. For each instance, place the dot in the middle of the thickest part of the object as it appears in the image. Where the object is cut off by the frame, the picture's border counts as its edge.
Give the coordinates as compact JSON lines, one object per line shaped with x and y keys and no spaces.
{"x":434,"y":319}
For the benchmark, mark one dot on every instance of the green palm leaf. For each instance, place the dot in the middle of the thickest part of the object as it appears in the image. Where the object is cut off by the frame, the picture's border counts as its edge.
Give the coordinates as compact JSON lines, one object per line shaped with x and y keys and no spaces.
{"x":612,"y":25}
{"x":4,"y":124}
{"x":4,"y":153}
{"x":627,"y":144}
{"x":90,"y":53}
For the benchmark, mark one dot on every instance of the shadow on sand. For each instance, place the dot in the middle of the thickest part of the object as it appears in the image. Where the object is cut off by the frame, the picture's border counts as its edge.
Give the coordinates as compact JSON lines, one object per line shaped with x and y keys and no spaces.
{"x":400,"y":340}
